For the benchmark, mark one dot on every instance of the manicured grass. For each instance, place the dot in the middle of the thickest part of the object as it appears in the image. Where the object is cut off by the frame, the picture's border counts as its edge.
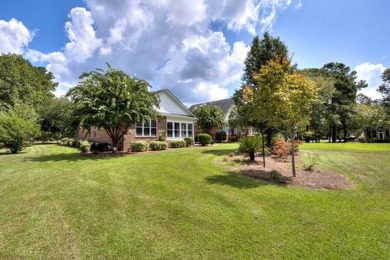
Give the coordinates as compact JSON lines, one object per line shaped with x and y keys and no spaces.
{"x":179,"y":204}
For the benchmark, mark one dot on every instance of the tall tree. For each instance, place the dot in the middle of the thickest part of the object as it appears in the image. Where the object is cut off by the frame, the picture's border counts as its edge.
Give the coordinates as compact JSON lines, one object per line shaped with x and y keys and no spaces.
{"x":284,"y":98}
{"x":21,"y":82}
{"x":112,"y":100}
{"x":384,"y":89}
{"x":209,"y":117}
{"x":55,"y":117}
{"x":342,"y":103}
{"x":261,"y":52}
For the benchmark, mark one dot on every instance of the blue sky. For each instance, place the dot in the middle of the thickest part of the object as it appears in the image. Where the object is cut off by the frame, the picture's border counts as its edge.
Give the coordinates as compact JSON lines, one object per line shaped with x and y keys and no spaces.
{"x":196,"y":50}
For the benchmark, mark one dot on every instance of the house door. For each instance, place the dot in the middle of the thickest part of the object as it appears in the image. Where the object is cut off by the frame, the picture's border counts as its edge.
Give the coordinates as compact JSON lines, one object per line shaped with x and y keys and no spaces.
{"x":380,"y":134}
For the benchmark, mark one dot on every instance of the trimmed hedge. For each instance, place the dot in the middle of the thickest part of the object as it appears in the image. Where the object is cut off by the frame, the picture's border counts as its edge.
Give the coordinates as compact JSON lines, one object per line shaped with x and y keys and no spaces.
{"x":138,"y":146}
{"x":178,"y":144}
{"x":204,"y":139}
{"x":189,"y":141}
{"x":85,"y":147}
{"x":158,"y":145}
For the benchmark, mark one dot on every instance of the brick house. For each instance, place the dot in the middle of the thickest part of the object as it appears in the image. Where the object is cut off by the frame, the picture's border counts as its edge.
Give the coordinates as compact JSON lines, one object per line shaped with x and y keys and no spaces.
{"x":174,"y":121}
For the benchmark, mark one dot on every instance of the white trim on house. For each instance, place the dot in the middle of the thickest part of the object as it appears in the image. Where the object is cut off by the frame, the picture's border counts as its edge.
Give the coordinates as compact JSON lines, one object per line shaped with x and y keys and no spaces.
{"x":146,"y":129}
{"x":179,"y":129}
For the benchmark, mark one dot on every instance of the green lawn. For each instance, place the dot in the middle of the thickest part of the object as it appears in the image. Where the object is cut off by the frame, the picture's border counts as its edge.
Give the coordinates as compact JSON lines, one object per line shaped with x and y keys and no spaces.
{"x":180,"y":204}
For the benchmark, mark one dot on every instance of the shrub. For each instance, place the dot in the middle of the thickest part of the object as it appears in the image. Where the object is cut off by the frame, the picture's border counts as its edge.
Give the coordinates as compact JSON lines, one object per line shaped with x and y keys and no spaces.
{"x":158,"y":145}
{"x":220,"y":136}
{"x":189,"y":141}
{"x":163,"y":136}
{"x":362,"y":139}
{"x":204,"y":139}
{"x":178,"y":144}
{"x":85,"y":147}
{"x":101,"y":147}
{"x":250,"y":145}
{"x":138,"y":146}
{"x":280,"y":148}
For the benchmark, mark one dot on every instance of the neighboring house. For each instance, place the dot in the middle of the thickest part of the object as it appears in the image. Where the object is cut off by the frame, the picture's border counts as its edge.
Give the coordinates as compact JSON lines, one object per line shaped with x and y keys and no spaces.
{"x":379,"y":134}
{"x":226,"y":105}
{"x":174,"y":121}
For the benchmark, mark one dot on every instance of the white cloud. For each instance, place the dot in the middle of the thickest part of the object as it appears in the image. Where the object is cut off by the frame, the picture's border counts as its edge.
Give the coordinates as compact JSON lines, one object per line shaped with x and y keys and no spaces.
{"x":81,"y":34}
{"x":14,"y":36}
{"x":299,"y":4}
{"x":371,"y":73}
{"x":170,"y":43}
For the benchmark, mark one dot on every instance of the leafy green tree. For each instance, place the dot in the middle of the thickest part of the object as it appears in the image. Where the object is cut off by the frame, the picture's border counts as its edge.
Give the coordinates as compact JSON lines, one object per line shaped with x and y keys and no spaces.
{"x":56,"y":117}
{"x":21,"y":82}
{"x":369,"y":115}
{"x":112,"y":100}
{"x":18,"y":127}
{"x":342,"y":103}
{"x":283,"y":97}
{"x":260,"y":53}
{"x":384,"y":89}
{"x":209,"y":117}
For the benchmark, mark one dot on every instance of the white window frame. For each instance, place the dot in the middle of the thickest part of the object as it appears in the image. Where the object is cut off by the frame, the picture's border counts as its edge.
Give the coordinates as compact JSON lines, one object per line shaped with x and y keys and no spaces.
{"x":182,"y":132}
{"x":143,"y":127}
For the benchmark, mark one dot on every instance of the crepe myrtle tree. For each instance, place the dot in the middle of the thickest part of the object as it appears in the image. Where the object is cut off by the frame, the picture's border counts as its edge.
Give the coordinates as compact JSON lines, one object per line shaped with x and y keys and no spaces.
{"x":113,"y":101}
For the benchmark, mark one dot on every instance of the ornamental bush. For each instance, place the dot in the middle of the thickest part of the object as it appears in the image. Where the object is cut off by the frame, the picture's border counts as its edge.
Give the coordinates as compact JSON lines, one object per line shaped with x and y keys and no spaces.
{"x":220,"y":136}
{"x":158,"y":145}
{"x":85,"y":147}
{"x":189,"y":141}
{"x":204,"y":139}
{"x":138,"y":146}
{"x":178,"y":144}
{"x":101,"y":147}
{"x":280,"y":148}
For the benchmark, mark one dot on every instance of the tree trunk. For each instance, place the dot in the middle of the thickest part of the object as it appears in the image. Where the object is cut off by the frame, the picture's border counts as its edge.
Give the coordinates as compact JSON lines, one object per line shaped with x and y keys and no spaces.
{"x":334,"y":133}
{"x":345,"y":131}
{"x":292,"y":153}
{"x":262,"y":138}
{"x":252,"y":156}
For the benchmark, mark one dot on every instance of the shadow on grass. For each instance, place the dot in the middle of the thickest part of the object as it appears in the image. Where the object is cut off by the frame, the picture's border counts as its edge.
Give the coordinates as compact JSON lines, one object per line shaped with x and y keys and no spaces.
{"x":237,"y":180}
{"x":67,"y":157}
{"x":220,"y":152}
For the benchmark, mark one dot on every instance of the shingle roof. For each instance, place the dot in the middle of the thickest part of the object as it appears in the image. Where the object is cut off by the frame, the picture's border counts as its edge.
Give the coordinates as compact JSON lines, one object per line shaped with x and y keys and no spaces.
{"x":224,"y":104}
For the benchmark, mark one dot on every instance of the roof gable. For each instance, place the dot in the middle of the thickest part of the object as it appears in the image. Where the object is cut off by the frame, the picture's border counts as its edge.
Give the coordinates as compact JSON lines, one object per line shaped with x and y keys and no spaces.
{"x":169,"y":104}
{"x":225,"y":105}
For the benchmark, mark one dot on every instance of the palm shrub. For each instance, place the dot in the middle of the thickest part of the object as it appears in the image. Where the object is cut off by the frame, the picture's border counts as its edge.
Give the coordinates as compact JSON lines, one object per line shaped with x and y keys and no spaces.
{"x":204,"y":139}
{"x":250,"y":145}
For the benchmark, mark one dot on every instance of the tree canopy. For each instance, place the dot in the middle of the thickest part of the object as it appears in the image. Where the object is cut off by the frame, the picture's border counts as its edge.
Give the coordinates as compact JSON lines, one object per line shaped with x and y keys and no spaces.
{"x":21,"y":82}
{"x":112,"y":100}
{"x":208,"y":117}
{"x":283,"y":98}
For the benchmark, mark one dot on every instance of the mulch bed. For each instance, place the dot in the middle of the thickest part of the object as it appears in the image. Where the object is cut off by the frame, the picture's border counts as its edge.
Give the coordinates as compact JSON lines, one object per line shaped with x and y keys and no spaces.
{"x":279,"y":171}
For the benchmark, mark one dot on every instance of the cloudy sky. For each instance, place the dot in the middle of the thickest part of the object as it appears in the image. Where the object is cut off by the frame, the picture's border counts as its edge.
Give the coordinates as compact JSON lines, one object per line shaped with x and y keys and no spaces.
{"x":195,"y":48}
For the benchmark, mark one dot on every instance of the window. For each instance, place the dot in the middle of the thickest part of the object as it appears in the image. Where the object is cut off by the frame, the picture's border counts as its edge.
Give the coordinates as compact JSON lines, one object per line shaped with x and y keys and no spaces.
{"x":387,"y":133}
{"x":170,"y":129}
{"x":179,"y":130}
{"x":148,"y":128}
